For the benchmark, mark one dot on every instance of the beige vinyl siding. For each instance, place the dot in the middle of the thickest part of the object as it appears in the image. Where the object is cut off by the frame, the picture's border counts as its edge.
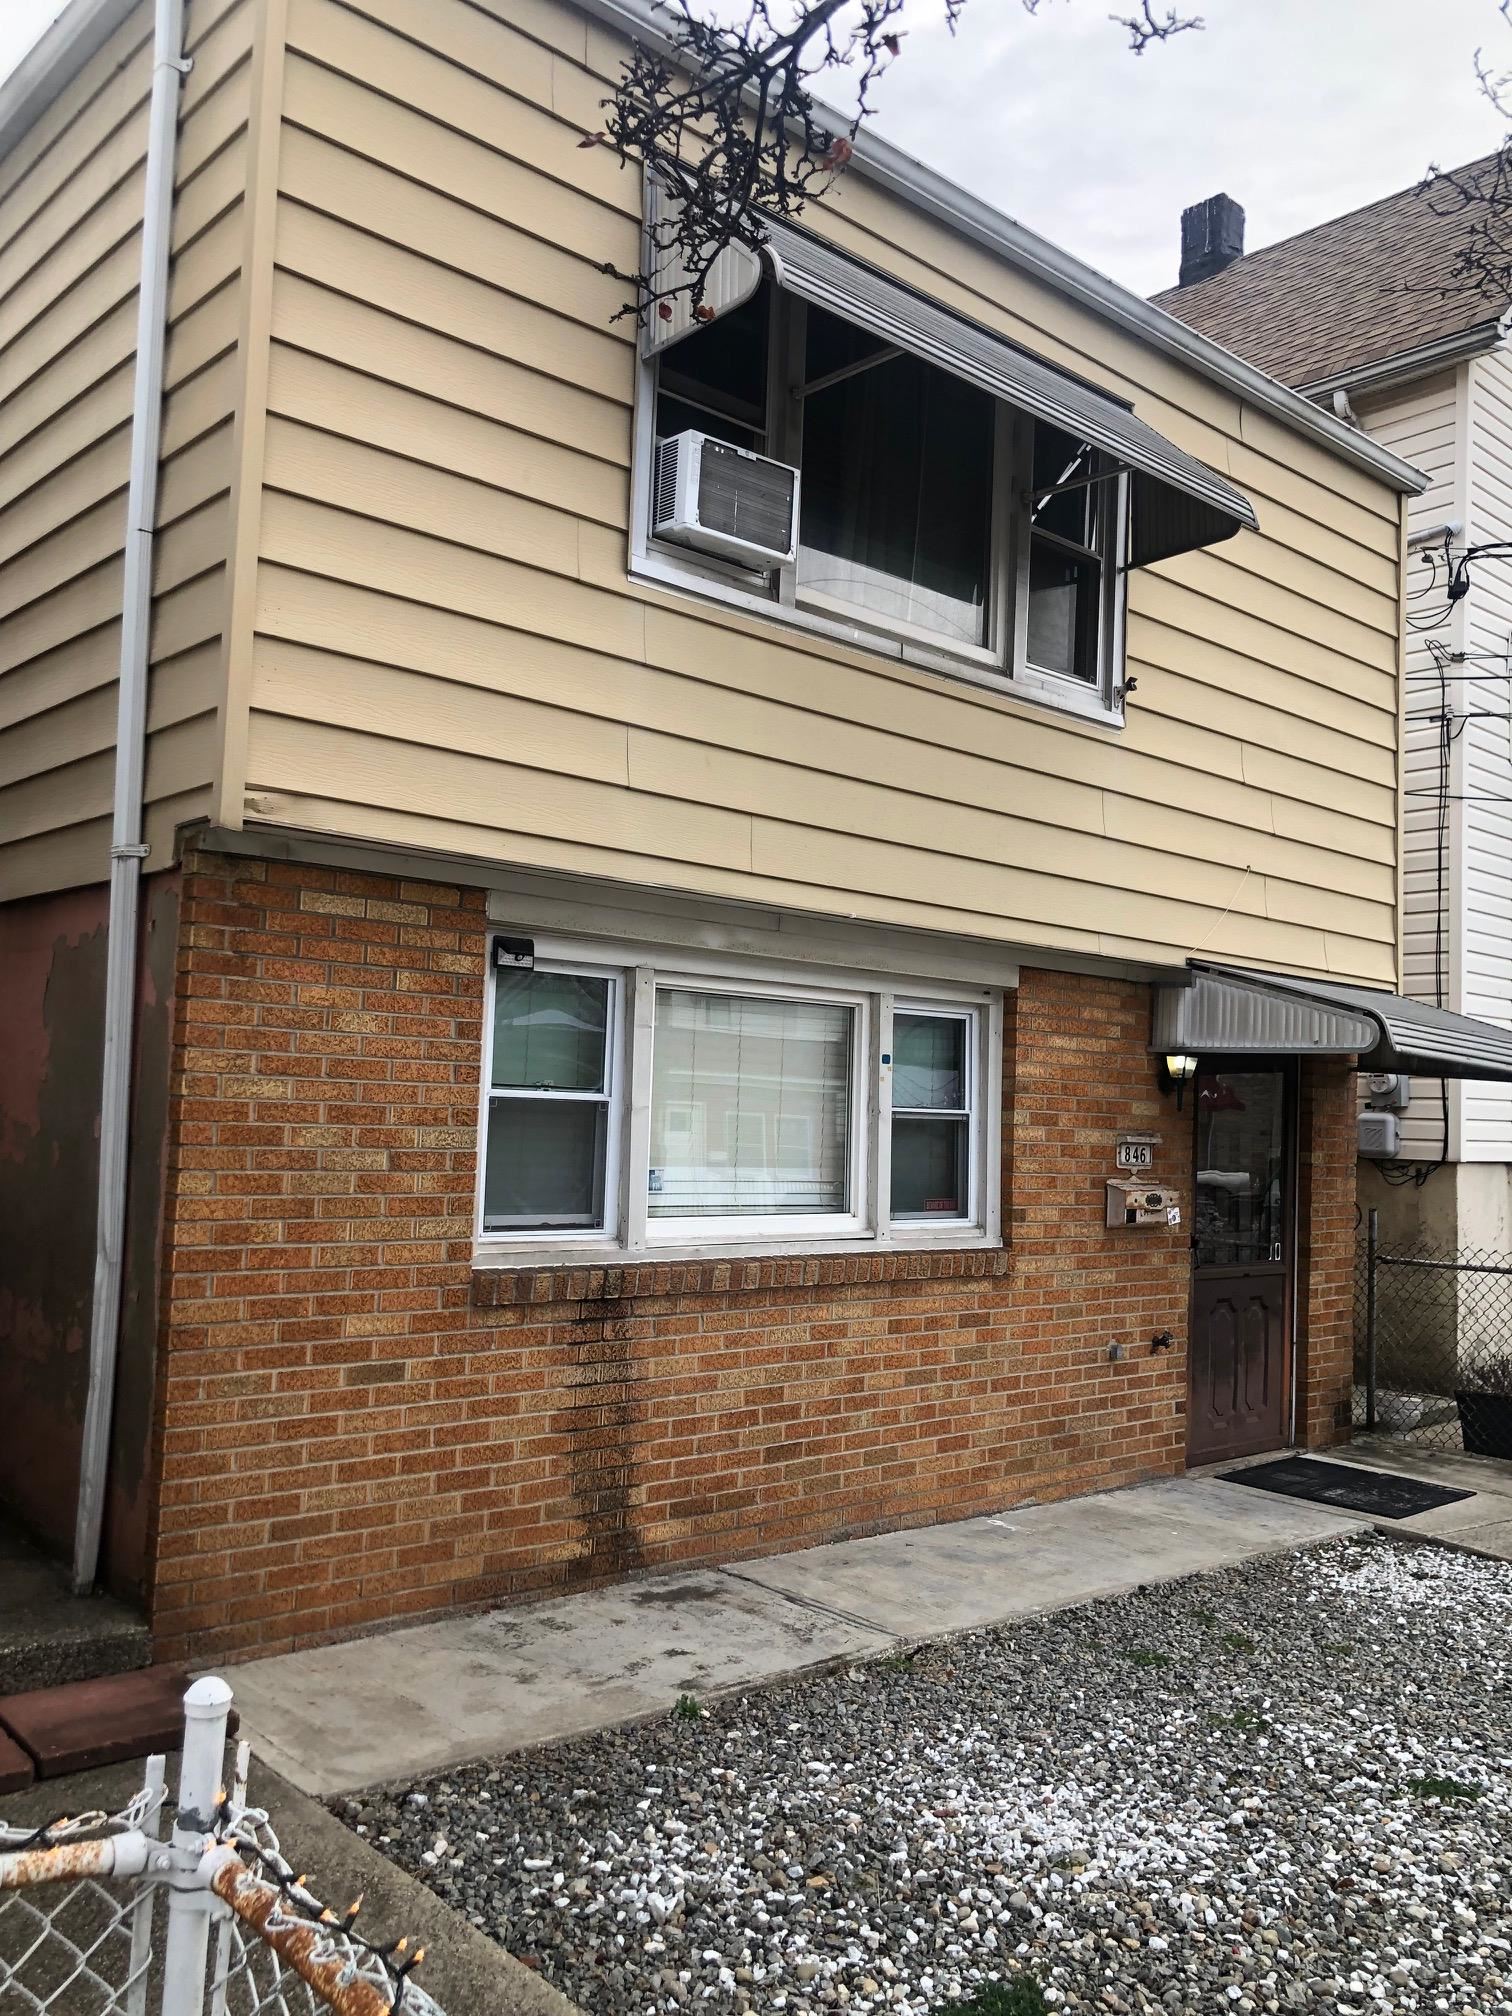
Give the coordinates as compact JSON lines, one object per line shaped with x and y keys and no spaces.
{"x":449,"y":655}
{"x":1424,"y":422}
{"x":71,"y":197}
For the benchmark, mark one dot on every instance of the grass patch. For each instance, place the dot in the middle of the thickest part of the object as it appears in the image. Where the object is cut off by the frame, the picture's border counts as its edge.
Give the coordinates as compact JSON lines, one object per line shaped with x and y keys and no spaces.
{"x":1235,"y":1641}
{"x":686,"y":1708}
{"x":1207,"y":1618}
{"x":1446,"y":1788}
{"x":1142,"y":1656}
{"x":1019,"y":1997}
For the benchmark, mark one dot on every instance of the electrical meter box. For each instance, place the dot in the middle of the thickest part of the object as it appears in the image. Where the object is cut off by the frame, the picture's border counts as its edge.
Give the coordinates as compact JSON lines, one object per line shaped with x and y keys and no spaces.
{"x":1134,"y":1203}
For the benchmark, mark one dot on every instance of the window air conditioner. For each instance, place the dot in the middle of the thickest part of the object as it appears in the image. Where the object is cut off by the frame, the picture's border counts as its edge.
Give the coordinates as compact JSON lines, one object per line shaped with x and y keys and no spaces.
{"x":726,"y":500}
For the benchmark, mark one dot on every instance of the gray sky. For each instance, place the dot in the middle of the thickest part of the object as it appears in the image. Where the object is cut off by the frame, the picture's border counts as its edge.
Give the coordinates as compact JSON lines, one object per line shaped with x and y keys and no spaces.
{"x":1299,"y":109}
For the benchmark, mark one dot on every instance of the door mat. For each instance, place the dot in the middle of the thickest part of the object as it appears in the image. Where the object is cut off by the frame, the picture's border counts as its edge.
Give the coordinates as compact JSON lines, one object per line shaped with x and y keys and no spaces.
{"x":1379,"y":1494}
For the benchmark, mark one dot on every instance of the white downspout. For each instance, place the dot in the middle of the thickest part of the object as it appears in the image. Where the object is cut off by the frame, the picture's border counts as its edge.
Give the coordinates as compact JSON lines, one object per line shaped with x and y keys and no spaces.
{"x":126,"y":849}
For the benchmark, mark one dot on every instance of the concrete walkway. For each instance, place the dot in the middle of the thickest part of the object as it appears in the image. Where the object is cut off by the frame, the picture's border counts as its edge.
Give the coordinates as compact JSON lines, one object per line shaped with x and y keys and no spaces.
{"x":413,"y":1701}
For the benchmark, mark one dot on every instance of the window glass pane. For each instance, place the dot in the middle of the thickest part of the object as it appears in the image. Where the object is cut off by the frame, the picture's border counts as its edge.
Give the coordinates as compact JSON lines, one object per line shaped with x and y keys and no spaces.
{"x":549,"y":1031}
{"x":1063,"y":605}
{"x":929,"y":1167}
{"x":1061,"y":458}
{"x":929,"y":1061}
{"x":897,"y":487}
{"x":750,"y":1106}
{"x":716,"y":378}
{"x":545,"y":1166}
{"x":676,"y":416}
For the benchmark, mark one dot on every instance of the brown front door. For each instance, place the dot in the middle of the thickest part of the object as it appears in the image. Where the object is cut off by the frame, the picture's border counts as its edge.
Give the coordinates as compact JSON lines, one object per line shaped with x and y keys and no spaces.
{"x":1241,"y":1246}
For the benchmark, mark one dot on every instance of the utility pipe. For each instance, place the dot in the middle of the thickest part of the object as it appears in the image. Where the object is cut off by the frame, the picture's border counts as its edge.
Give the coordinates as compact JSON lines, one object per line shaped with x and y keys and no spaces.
{"x":127,"y":851}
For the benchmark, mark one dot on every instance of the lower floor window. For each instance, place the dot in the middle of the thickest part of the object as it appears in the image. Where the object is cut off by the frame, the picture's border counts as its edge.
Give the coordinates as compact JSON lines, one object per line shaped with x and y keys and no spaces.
{"x":750,"y":1106}
{"x":637,"y":1107}
{"x":933,"y":1166}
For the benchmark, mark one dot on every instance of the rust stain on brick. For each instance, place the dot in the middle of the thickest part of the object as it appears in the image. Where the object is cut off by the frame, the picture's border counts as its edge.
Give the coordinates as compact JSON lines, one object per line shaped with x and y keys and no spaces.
{"x":599,"y":1421}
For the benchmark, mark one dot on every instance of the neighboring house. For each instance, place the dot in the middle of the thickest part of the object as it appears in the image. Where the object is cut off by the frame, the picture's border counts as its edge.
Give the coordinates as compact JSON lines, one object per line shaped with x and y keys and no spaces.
{"x":1367,"y":315}
{"x":633,"y":1045}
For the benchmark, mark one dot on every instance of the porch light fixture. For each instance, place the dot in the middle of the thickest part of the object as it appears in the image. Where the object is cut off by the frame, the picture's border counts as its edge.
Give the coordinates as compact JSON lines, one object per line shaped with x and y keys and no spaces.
{"x":1177,"y":1070}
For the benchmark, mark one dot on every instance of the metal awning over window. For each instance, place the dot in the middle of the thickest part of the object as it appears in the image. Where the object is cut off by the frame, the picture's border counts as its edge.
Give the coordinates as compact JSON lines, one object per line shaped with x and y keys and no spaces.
{"x":1227,"y":1010}
{"x":1177,"y":503}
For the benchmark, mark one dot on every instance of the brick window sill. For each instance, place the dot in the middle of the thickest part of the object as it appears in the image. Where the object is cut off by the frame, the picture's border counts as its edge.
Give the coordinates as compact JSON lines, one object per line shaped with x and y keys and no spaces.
{"x":500,"y":1286}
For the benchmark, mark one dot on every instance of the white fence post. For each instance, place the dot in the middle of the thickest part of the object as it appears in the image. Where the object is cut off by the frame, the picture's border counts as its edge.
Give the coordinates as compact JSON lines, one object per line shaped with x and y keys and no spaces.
{"x":141,"y":1916}
{"x":189,"y":1904}
{"x":223,"y":1937}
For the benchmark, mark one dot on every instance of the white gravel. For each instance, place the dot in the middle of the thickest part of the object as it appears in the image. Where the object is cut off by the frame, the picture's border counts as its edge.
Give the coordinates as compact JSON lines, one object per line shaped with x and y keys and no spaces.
{"x":1279,"y":1787}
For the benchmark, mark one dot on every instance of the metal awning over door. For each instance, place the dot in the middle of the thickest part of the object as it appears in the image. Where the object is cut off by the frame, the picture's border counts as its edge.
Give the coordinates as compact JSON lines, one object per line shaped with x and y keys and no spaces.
{"x":1233,"y":1011}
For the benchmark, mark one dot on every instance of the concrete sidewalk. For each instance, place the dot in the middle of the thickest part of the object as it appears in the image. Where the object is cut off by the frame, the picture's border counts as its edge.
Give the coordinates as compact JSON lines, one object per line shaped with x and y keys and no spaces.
{"x":413,"y":1701}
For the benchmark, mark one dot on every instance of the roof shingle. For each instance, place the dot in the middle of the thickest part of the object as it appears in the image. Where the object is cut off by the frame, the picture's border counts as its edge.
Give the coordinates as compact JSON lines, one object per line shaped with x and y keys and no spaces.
{"x":1353,"y":292}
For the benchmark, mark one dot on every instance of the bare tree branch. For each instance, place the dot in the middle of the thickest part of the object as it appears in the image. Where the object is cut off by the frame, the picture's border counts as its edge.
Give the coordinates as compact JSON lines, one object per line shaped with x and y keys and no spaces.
{"x":728,"y":121}
{"x":1476,"y":201}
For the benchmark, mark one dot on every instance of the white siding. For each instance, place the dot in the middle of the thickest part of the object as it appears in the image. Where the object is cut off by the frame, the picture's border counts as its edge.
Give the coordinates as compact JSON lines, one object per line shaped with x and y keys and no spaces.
{"x":1485,"y":961}
{"x":1421,"y":422}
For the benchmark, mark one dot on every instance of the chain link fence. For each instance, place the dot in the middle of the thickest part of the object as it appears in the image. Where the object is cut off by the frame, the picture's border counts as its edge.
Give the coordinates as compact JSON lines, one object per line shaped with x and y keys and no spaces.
{"x":100,"y":1915}
{"x":1433,"y":1345}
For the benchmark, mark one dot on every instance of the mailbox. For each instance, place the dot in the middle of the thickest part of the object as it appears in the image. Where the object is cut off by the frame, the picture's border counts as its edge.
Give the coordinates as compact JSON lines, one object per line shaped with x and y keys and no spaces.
{"x":1131,"y":1202}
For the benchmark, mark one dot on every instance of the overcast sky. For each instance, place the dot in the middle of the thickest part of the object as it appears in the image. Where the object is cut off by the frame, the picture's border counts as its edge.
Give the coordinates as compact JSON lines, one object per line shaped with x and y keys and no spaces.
{"x":1299,"y":109}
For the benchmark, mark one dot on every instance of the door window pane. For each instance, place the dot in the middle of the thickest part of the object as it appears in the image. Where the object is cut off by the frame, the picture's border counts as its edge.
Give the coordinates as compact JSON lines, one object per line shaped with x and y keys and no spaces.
{"x":545,"y":1167}
{"x":897,"y":486}
{"x":550,"y":1031}
{"x":1240,"y":1219}
{"x":750,"y":1106}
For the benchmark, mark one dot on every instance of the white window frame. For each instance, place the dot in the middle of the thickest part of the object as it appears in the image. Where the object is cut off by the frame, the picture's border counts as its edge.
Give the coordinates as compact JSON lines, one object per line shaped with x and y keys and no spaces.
{"x":973,"y":1061}
{"x":1000,"y":665}
{"x":611,"y":1098}
{"x":807,"y":1226}
{"x":1064,"y":689}
{"x":630,"y":1233}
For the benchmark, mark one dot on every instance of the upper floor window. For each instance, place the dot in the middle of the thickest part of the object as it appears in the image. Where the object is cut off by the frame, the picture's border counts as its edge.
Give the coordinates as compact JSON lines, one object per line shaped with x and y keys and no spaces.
{"x":831,"y":446}
{"x":928,"y":513}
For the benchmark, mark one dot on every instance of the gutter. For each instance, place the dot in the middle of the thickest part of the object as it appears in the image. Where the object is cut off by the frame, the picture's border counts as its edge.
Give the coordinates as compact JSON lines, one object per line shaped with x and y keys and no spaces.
{"x":1405,"y":365}
{"x":127,"y":850}
{"x":52,"y":63}
{"x":925,"y":190}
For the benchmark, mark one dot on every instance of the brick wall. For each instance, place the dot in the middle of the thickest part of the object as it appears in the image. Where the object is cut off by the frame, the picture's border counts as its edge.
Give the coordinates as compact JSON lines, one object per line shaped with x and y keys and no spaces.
{"x":355,"y":1427}
{"x":1326,"y":1214}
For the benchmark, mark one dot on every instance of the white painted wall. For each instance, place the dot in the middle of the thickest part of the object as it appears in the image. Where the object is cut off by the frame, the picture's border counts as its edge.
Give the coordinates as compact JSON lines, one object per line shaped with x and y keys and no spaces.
{"x":1457,"y":426}
{"x":1426,"y":422}
{"x":1485,"y":950}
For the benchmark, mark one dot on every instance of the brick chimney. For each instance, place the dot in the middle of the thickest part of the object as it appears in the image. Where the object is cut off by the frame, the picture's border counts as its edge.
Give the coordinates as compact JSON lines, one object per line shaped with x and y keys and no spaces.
{"x":1212,"y":237}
